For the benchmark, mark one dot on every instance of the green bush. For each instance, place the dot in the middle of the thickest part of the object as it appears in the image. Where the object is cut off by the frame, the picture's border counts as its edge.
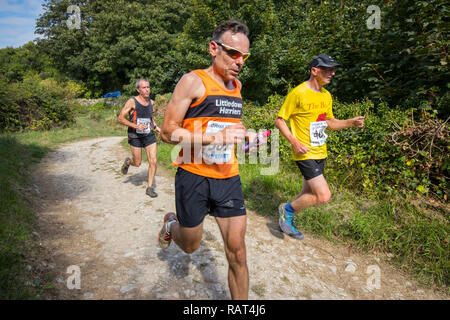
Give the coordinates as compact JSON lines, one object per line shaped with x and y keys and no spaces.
{"x":29,"y":104}
{"x":396,"y":152}
{"x":258,"y":118}
{"x":96,"y":110}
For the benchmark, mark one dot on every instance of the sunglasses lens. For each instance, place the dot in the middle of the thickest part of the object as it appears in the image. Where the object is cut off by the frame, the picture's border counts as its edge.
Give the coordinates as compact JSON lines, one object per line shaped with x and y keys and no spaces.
{"x":235,"y":54}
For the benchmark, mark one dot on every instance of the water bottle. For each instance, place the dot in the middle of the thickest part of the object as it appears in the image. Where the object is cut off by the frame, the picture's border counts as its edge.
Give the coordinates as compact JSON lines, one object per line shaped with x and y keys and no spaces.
{"x":261,"y":138}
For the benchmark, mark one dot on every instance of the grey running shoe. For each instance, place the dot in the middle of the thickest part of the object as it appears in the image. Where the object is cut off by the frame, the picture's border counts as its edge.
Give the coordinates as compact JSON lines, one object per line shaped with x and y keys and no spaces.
{"x":164,"y":237}
{"x":151,"y":192}
{"x":125,"y":166}
{"x":286,"y":224}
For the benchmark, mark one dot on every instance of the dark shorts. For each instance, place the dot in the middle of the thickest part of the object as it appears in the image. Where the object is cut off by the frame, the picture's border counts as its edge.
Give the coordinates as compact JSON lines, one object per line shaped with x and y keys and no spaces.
{"x":311,"y":168}
{"x":196,"y":196}
{"x":142,"y":141}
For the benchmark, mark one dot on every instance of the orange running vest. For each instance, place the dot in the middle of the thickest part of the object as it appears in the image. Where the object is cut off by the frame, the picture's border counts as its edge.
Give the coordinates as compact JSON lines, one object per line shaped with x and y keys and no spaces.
{"x":217,"y":109}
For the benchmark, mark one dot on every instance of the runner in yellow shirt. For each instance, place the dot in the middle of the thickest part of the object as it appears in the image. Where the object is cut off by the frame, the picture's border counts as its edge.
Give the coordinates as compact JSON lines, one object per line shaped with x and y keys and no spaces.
{"x":308,"y":107}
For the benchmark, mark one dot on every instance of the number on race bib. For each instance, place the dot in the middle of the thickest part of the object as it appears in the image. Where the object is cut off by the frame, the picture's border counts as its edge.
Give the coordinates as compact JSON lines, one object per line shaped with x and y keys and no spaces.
{"x":317,"y":133}
{"x":217,"y":153}
{"x":144,"y":121}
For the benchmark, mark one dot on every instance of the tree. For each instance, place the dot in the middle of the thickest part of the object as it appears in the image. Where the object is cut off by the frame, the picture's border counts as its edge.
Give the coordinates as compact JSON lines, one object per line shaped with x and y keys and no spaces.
{"x":404,"y":62}
{"x":117,"y":42}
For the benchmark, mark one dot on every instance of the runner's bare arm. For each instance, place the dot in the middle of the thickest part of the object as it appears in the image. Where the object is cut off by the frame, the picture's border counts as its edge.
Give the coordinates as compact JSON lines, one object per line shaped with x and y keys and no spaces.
{"x":129,"y":105}
{"x":299,"y":148}
{"x":190,"y":88}
{"x":336,"y":124}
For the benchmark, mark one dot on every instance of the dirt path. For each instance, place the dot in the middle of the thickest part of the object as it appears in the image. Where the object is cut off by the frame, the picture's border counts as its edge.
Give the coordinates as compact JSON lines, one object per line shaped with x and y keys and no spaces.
{"x":93,"y":218}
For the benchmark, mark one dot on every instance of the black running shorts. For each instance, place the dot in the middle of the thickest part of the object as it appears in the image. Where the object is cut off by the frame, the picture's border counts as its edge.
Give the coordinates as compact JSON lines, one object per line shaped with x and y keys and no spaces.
{"x":311,"y":168}
{"x":142,"y":141}
{"x":196,"y":196}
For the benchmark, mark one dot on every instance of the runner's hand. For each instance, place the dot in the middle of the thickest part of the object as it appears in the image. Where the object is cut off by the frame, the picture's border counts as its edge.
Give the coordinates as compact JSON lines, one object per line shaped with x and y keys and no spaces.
{"x":300,"y":148}
{"x":358,"y":122}
{"x":141,"y":126}
{"x":231,"y":134}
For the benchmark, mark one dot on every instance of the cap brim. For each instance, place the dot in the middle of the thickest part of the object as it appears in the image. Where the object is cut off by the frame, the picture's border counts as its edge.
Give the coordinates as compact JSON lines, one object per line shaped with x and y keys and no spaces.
{"x":329,"y":65}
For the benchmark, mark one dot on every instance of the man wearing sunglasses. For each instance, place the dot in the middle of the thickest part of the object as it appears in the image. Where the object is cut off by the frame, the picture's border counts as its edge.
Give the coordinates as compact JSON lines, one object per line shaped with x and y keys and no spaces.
{"x":308,"y":107}
{"x":204,"y":118}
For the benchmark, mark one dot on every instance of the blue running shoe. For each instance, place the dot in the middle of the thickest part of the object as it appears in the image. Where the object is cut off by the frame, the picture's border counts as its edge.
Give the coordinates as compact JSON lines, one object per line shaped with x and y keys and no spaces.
{"x":285,"y":223}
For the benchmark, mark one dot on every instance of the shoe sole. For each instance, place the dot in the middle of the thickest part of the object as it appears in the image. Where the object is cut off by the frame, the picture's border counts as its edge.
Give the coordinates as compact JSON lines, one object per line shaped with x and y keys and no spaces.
{"x":125,"y":167}
{"x":164,"y":244}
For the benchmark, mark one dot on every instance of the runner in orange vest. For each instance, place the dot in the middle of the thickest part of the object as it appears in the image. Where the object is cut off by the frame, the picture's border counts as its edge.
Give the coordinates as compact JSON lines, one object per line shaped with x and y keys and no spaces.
{"x":203,"y":116}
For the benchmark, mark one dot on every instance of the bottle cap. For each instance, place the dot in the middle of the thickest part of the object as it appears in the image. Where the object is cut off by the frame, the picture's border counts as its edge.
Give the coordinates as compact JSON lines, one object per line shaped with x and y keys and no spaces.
{"x":266,"y":133}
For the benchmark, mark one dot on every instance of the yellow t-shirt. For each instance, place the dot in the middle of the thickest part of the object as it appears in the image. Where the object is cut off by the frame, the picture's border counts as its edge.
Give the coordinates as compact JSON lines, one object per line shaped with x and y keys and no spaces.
{"x":307,"y":111}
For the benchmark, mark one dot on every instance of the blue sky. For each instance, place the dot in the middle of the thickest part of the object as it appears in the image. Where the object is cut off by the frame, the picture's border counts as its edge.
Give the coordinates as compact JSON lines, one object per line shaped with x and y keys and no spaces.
{"x":18,"y":21}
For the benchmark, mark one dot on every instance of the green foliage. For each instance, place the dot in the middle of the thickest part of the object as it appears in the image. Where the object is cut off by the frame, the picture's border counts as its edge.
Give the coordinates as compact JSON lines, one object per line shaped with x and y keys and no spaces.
{"x":16,"y":64}
{"x":263,"y":117}
{"x":96,"y":110}
{"x":403,"y":63}
{"x":33,"y":92}
{"x":118,"y":43}
{"x":32,"y":104}
{"x":393,"y":153}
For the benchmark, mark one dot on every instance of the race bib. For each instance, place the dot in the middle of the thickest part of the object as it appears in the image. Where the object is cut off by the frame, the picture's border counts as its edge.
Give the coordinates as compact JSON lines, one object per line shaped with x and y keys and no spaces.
{"x":317,"y":133}
{"x":215,"y":153}
{"x":144,"y":121}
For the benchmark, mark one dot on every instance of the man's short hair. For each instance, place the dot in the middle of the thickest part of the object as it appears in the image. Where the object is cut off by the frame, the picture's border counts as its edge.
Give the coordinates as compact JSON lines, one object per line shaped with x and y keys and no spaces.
{"x":231,"y":25}
{"x":138,"y":83}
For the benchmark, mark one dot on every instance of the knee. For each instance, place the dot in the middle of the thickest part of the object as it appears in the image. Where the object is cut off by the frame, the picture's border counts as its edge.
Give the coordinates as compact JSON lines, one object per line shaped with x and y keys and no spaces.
{"x":137,"y":163}
{"x":237,"y":256}
{"x":191,"y":248}
{"x":323,"y":197}
{"x":152,"y":162}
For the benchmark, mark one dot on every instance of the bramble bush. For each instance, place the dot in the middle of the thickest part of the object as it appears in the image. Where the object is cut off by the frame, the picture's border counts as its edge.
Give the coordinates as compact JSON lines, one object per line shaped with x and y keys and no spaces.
{"x":396,"y":151}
